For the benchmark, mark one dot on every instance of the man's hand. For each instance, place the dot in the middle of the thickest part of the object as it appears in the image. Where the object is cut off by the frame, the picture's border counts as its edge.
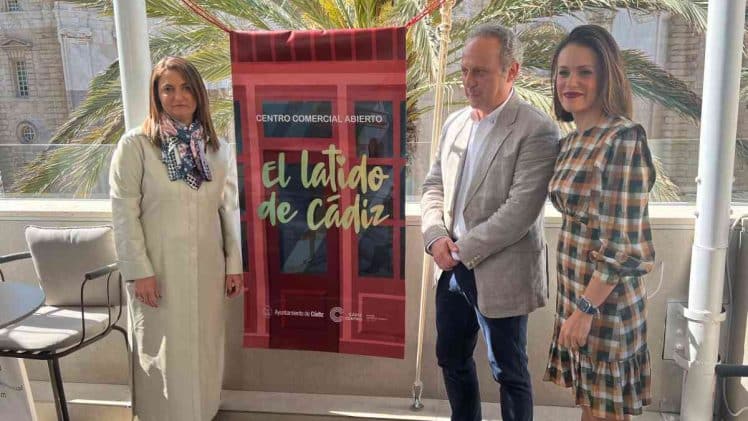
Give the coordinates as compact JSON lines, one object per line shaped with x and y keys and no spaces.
{"x":147,"y":291}
{"x":442,"y":251}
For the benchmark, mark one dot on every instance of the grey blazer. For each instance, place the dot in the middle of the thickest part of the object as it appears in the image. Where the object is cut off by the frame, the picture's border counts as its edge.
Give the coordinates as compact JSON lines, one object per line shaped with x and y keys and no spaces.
{"x":503,"y":213}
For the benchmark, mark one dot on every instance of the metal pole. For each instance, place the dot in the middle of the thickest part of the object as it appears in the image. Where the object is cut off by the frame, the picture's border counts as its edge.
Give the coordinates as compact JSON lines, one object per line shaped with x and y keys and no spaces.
{"x":444,"y":28}
{"x":719,"y":116}
{"x":134,"y":59}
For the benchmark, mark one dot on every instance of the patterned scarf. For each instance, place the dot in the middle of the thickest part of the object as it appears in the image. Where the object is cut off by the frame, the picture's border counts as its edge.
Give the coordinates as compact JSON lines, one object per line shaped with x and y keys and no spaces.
{"x":183,"y":151}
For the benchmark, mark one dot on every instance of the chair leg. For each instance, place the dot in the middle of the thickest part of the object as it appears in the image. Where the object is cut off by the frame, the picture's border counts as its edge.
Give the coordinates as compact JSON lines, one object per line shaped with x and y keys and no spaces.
{"x":124,"y":334}
{"x":57,"y":389}
{"x":130,"y":363}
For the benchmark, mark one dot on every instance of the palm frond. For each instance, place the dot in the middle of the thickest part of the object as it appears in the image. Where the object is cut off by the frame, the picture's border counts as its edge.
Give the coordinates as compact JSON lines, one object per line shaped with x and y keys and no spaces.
{"x":73,"y":168}
{"x":222,"y":111}
{"x":172,"y":12}
{"x":539,"y":42}
{"x":214,"y":64}
{"x":183,"y":40}
{"x":246,"y":14}
{"x":664,"y":190}
{"x":517,"y":12}
{"x":312,"y":15}
{"x":650,"y":81}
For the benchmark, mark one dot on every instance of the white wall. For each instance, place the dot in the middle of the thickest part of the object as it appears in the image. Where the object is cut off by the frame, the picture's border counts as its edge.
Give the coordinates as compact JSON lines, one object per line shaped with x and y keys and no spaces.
{"x":317,"y":372}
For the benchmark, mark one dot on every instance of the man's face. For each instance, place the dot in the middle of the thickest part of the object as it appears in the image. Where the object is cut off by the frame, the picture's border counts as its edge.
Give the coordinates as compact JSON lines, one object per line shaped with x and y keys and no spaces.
{"x":486,"y":85}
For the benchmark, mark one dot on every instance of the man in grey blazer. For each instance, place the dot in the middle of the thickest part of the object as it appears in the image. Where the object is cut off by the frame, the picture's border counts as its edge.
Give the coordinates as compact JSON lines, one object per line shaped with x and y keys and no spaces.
{"x":482,"y":222}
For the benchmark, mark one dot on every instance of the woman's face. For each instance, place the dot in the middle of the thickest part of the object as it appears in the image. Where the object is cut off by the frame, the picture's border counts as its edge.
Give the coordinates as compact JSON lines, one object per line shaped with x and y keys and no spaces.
{"x":176,"y":96}
{"x":576,"y":80}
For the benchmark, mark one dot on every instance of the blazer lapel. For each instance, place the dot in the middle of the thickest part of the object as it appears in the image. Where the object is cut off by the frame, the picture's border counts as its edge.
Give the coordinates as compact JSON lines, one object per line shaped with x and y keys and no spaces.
{"x":496,"y":137}
{"x":460,"y":144}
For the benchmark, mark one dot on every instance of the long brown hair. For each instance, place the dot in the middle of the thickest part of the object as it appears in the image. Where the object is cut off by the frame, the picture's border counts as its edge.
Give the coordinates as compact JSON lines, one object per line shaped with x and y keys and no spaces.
{"x":613,"y":86}
{"x":151,"y":125}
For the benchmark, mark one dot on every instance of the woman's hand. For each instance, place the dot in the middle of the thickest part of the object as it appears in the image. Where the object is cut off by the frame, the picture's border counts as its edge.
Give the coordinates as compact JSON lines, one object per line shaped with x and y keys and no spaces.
{"x":234,"y":285}
{"x":147,"y":292}
{"x":574,"y":330}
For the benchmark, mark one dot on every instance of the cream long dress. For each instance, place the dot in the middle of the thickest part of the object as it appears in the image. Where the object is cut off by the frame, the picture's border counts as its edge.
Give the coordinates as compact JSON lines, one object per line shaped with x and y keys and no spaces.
{"x":189,"y":239}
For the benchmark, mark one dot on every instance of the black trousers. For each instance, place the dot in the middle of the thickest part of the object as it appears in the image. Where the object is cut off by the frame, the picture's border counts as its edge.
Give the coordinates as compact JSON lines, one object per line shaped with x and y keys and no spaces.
{"x":457,"y":324}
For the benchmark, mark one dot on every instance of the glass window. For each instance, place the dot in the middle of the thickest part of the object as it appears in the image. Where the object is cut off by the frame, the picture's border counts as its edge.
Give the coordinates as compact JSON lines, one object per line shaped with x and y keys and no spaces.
{"x":375,"y":252}
{"x":383,"y":196}
{"x":374,"y":128}
{"x":403,"y":129}
{"x":26,"y":132}
{"x":20,"y":161}
{"x":14,"y":6}
{"x":238,"y":127}
{"x":302,"y":249}
{"x":22,"y":79}
{"x":297,"y":119}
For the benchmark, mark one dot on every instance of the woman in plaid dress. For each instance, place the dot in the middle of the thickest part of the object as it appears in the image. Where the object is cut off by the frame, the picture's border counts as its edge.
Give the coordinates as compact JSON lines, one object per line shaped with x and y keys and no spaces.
{"x":601,"y":183}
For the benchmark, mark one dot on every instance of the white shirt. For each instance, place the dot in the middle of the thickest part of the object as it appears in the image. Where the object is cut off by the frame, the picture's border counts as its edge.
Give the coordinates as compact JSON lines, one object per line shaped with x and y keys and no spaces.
{"x":479,"y":130}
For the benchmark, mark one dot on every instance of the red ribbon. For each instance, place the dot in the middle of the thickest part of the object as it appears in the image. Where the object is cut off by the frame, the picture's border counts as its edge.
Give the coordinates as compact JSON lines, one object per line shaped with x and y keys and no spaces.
{"x":205,"y":15}
{"x":435,"y":4}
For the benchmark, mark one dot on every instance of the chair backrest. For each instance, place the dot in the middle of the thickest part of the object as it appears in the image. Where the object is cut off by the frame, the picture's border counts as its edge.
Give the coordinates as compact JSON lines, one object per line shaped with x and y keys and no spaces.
{"x":62,"y":256}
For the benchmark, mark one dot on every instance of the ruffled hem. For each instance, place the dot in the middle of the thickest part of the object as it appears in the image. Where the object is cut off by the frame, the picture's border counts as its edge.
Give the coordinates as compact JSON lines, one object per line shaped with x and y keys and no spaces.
{"x":609,"y":388}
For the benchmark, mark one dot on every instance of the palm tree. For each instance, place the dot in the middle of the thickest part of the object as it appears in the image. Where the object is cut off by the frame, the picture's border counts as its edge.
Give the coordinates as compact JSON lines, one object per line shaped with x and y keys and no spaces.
{"x":99,"y":119}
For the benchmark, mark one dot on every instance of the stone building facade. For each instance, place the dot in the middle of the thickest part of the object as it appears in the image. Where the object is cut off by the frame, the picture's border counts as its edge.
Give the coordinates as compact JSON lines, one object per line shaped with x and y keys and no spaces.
{"x":49,"y":52}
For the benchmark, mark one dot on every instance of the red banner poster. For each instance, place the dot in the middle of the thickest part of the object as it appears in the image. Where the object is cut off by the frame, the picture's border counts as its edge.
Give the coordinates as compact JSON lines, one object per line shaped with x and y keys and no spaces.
{"x":320,"y":119}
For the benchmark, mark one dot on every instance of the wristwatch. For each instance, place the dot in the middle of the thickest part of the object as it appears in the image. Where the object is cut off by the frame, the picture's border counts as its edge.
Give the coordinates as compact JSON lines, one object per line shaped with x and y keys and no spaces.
{"x":585,"y":306}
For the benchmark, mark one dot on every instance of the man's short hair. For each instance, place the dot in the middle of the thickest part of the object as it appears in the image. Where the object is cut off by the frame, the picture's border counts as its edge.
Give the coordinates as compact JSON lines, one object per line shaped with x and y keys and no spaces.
{"x":511,"y":49}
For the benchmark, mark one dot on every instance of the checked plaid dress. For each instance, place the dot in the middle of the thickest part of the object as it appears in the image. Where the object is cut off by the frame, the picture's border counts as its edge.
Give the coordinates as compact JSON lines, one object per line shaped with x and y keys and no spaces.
{"x":601,"y":185}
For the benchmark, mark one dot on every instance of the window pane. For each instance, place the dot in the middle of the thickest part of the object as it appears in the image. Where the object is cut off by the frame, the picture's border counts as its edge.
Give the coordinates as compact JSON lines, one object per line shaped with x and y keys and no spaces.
{"x":374,"y":128}
{"x":77,"y":165}
{"x":403,"y":130}
{"x":383,"y":196}
{"x":22,"y":79}
{"x":302,"y":249}
{"x":375,"y":252}
{"x":297,"y":119}
{"x":238,"y":127}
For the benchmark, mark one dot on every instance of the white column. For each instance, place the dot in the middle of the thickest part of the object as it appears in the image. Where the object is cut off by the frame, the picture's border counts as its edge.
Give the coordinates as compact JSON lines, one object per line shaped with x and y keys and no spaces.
{"x":134,"y":59}
{"x":719,"y":117}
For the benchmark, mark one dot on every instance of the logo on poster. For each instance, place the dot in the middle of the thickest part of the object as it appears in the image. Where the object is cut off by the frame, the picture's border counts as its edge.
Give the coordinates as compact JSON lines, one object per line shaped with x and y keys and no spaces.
{"x":335,"y":313}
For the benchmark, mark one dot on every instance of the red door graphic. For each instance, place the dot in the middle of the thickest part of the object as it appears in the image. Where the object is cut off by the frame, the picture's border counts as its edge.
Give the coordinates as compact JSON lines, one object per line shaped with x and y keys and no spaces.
{"x":329,"y":289}
{"x":304,"y":266}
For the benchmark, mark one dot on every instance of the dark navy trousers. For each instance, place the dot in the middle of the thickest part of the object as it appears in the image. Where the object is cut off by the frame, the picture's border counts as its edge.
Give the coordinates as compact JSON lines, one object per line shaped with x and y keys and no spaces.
{"x":457,"y":324}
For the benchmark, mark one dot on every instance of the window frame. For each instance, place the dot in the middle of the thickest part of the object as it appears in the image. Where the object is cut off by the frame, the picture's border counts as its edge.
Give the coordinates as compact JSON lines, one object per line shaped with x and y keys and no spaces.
{"x":21,"y":78}
{"x":22,"y":127}
{"x":12,"y":6}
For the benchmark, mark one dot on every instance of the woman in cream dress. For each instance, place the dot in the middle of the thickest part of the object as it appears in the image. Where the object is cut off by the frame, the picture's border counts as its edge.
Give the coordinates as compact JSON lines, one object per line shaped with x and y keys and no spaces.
{"x":176,"y":224}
